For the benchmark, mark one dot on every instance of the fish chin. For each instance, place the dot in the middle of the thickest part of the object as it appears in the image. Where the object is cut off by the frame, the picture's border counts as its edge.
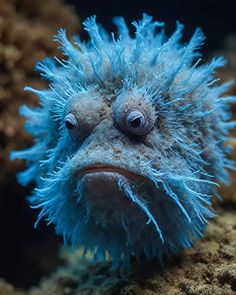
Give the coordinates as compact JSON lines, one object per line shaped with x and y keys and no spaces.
{"x":104,"y":190}
{"x":109,"y":205}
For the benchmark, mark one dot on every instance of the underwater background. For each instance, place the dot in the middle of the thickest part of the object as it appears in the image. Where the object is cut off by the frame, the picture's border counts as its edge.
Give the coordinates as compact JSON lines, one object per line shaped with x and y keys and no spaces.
{"x":33,"y":261}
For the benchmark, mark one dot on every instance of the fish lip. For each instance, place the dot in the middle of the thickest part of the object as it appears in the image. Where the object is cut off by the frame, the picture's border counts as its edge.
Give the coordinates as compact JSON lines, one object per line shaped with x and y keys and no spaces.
{"x":96,"y":168}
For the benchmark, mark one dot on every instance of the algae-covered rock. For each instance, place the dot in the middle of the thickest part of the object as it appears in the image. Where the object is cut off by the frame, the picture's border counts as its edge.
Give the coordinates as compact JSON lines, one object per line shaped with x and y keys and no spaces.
{"x":209,"y":268}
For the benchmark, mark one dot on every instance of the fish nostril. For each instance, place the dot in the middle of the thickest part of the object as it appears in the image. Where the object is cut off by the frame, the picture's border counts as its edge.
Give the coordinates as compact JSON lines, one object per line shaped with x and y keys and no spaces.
{"x":117,"y":148}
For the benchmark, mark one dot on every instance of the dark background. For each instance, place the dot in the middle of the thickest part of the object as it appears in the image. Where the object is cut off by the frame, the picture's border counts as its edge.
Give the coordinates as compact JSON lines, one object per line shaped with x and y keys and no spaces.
{"x":217,"y":18}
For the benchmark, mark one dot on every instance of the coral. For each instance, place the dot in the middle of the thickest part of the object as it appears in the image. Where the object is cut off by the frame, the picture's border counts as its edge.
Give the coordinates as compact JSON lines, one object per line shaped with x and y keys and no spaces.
{"x":229,"y":73}
{"x":26,"y":27}
{"x":25,"y":30}
{"x":130,"y":141}
{"x":7,"y":289}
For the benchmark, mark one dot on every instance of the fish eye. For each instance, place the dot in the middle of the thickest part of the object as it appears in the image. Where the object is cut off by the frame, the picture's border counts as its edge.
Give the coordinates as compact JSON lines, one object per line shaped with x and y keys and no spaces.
{"x":135,"y":119}
{"x":136,"y":122}
{"x":71,"y":121}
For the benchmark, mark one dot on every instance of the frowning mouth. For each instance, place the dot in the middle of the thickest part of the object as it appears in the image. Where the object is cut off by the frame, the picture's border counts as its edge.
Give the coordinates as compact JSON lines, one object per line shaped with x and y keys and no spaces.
{"x":112,"y":170}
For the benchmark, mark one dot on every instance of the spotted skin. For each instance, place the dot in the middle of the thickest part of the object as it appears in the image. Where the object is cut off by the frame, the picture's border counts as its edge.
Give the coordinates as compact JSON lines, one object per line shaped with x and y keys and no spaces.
{"x":130,"y":141}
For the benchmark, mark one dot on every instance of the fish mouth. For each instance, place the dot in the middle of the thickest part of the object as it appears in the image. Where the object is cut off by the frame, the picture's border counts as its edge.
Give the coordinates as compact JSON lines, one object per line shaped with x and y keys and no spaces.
{"x":109,"y":169}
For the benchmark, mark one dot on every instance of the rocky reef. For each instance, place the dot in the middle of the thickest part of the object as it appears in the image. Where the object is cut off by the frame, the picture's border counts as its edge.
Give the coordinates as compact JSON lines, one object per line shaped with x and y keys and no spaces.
{"x":26,"y":29}
{"x":209,"y":268}
{"x":229,"y":73}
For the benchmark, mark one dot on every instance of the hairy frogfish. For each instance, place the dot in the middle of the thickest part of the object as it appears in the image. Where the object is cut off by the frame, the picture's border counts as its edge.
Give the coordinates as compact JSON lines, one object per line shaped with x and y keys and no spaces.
{"x":130,"y":140}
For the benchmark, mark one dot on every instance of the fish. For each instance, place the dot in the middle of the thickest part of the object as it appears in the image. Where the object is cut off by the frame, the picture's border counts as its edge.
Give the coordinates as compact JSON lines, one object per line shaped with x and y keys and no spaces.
{"x":130,"y":140}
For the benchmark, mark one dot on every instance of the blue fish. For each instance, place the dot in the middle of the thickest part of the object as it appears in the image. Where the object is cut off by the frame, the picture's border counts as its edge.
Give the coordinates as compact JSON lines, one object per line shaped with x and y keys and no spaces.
{"x":130,"y":140}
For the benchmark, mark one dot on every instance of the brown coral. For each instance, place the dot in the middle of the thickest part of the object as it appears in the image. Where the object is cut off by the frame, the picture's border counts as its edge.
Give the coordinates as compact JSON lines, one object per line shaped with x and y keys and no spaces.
{"x":229,"y":73}
{"x":26,"y":29}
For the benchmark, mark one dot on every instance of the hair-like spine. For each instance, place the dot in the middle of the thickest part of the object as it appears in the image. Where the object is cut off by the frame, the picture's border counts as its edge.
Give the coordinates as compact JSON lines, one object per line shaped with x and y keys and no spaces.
{"x":184,"y":90}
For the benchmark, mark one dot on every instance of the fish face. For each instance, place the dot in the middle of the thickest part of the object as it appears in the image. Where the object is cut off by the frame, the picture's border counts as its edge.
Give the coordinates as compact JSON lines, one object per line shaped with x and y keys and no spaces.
{"x":130,"y":141}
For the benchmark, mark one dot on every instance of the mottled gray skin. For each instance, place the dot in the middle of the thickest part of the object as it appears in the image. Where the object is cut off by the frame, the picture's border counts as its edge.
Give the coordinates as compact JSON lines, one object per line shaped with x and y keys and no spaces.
{"x":109,"y":183}
{"x":112,"y":152}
